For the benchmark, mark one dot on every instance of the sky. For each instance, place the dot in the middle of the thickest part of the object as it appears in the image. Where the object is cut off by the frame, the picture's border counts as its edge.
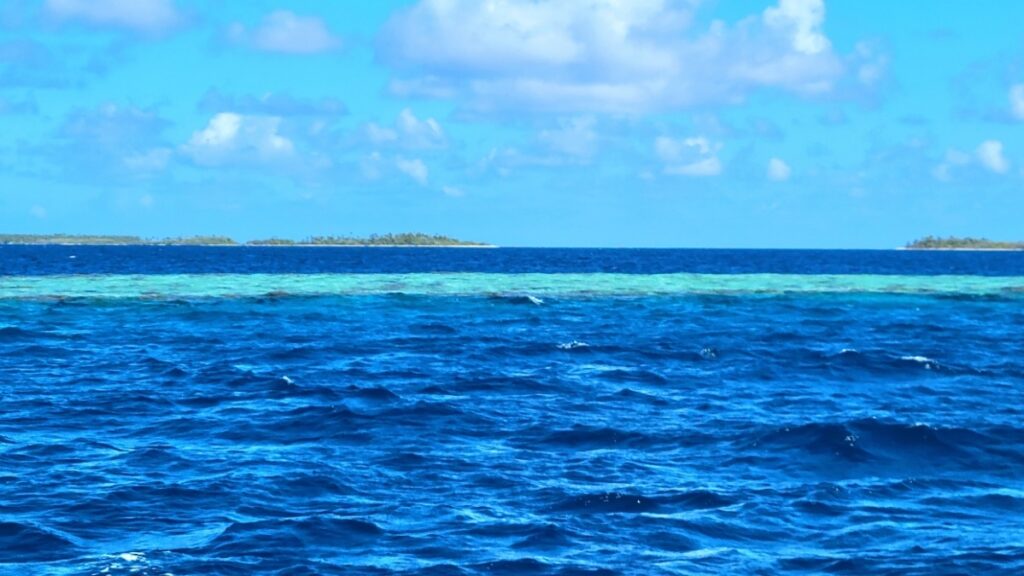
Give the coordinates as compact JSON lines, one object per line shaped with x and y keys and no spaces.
{"x":646,"y":123}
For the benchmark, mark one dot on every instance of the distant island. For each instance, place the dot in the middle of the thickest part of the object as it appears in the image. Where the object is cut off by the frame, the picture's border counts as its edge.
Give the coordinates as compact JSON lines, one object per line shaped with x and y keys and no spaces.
{"x":403,"y":239}
{"x":967,"y":243}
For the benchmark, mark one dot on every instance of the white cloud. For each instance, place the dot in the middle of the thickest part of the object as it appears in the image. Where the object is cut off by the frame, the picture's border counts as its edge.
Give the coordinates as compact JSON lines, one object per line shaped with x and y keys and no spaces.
{"x":38,"y":211}
{"x":409,"y":132}
{"x":230,"y":137}
{"x":670,"y":149}
{"x":219,"y":133}
{"x":778,"y":170}
{"x":140,"y":15}
{"x":574,"y":137}
{"x":288,"y":33}
{"x":419,"y":133}
{"x":603,"y":55}
{"x":694,"y":156}
{"x":1017,"y":101}
{"x":414,"y":168}
{"x":453,"y":191}
{"x":801,"y":20}
{"x":990,"y":154}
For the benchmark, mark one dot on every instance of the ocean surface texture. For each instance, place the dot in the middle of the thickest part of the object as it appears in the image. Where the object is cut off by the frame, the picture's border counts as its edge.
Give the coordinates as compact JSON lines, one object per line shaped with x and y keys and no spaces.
{"x":237,"y":411}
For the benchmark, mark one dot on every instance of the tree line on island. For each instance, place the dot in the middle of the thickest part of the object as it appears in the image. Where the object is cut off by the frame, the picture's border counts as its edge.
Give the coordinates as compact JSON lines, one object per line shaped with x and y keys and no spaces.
{"x":962,"y":243}
{"x":401,"y":239}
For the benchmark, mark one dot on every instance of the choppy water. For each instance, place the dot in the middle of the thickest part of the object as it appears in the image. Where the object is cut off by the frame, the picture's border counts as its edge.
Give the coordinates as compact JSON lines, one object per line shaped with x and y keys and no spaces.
{"x":494,"y":422}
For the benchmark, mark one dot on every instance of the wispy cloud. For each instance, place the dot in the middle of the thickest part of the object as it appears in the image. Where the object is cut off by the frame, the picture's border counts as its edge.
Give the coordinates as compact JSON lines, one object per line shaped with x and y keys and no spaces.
{"x":778,"y":170}
{"x":1017,"y":101}
{"x":271,"y":104}
{"x":693,"y":156}
{"x":148,"y":16}
{"x":408,"y":131}
{"x":414,"y":168}
{"x":285,"y":32}
{"x":575,"y":137}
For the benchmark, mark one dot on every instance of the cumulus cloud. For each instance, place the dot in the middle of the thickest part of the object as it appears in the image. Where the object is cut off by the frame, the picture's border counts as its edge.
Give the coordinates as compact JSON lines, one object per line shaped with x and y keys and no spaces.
{"x":287,"y":33}
{"x":139,"y":15}
{"x":990,"y":154}
{"x":694,"y":156}
{"x":1017,"y":101}
{"x":231,"y":137}
{"x":603,"y":55}
{"x":778,"y":170}
{"x":801,"y":20}
{"x":414,"y":168}
{"x":408,"y":131}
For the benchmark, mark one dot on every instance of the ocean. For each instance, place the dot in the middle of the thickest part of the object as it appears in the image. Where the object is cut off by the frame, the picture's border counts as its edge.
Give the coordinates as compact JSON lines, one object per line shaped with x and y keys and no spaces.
{"x":292,"y":411}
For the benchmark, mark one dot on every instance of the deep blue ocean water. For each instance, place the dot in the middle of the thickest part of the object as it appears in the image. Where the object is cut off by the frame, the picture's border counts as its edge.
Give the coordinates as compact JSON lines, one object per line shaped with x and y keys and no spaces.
{"x":36,"y":260}
{"x":491,"y":431}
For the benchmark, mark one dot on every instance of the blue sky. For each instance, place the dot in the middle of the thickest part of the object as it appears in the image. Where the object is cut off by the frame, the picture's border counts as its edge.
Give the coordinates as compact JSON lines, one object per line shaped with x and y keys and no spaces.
{"x":741,"y":123}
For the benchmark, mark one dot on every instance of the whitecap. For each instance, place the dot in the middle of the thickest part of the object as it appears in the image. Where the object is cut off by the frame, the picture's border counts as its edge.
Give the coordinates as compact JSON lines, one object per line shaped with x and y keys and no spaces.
{"x":927,"y":362}
{"x":573,"y":345}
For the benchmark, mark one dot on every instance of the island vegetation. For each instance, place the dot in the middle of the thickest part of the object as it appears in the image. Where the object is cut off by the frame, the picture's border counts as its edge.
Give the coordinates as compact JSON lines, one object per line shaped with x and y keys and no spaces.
{"x":403,"y":239}
{"x":965,"y":243}
{"x":68,"y":239}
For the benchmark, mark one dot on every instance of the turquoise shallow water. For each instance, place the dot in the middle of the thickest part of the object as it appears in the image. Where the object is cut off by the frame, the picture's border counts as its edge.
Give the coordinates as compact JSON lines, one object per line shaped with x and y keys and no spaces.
{"x":537,"y":284}
{"x":551,"y":421}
